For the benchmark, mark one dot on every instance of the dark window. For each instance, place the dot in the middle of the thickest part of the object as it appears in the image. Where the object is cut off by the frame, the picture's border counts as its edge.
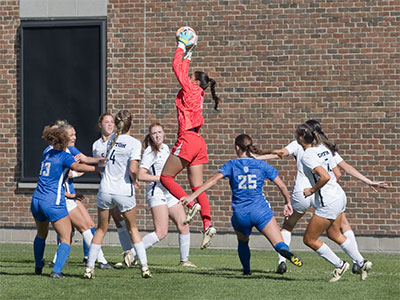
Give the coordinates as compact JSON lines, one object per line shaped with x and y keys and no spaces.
{"x":63,"y":76}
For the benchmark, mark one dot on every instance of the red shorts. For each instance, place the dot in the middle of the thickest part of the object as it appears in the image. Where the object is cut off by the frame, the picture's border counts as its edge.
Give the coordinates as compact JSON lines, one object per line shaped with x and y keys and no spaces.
{"x":191,"y":147}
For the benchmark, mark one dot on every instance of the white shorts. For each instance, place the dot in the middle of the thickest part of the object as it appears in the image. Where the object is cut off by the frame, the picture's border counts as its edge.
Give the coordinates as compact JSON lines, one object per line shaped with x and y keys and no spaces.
{"x":332,"y":210}
{"x":301,"y":204}
{"x":71,"y":204}
{"x":108,"y":201}
{"x":161,"y":199}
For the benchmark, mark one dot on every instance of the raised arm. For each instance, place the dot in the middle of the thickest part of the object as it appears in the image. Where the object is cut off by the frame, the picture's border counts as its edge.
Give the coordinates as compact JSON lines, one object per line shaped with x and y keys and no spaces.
{"x":354,"y":173}
{"x":281,"y":153}
{"x":181,"y":69}
{"x":208,"y":184}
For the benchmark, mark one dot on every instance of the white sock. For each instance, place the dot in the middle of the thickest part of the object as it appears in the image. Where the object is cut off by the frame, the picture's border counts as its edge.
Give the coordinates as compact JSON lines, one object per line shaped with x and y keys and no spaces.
{"x":124,"y":237}
{"x":150,"y":239}
{"x":87,"y":237}
{"x":93,"y":253}
{"x":287,"y":238}
{"x":350,"y":236}
{"x":55,"y":257}
{"x":325,"y":252}
{"x":141,"y":253}
{"x":350,"y":250}
{"x":184,"y":246}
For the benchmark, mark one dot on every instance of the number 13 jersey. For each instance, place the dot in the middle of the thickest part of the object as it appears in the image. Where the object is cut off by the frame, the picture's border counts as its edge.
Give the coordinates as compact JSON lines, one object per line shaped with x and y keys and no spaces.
{"x":246,"y":178}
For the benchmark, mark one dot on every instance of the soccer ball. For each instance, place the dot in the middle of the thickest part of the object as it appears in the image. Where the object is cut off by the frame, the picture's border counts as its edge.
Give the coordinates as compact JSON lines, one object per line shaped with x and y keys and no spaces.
{"x":187,"y":35}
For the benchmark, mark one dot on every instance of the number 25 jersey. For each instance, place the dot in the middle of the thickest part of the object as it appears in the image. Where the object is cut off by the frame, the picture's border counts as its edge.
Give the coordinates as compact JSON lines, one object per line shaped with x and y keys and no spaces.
{"x":246,"y":178}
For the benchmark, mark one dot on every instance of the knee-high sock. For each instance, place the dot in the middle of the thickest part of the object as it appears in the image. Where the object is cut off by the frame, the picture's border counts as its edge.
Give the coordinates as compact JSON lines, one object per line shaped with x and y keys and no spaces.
{"x":205,"y":208}
{"x":93,"y":253}
{"x":325,"y":252}
{"x":350,"y":235}
{"x":172,"y":186}
{"x":350,"y":250}
{"x":244,"y":255}
{"x":184,"y":246}
{"x":287,"y":238}
{"x":38,"y":250}
{"x":62,"y":256}
{"x":124,"y":237}
{"x":150,"y":239}
{"x":141,"y":253}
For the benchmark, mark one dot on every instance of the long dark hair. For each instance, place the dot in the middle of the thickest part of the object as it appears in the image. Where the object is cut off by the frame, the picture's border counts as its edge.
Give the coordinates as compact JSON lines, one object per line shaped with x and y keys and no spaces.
{"x":245,"y":144}
{"x":306,"y":132}
{"x":149,"y":141}
{"x":320,"y":136}
{"x":205,"y":81}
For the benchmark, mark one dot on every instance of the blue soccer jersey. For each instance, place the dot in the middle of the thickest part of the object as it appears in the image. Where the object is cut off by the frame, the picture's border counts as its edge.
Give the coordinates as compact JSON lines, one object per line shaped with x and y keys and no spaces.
{"x":246,"y":178}
{"x":53,"y":172}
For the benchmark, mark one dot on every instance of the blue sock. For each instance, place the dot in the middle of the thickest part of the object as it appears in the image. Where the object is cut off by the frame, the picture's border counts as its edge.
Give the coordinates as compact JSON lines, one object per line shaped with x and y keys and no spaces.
{"x":62,"y":256}
{"x":38,"y":251}
{"x":283,"y":250}
{"x":244,"y":255}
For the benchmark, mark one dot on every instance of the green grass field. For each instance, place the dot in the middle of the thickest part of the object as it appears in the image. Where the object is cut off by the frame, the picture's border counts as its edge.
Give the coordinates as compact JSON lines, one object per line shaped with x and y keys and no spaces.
{"x":218,"y":276}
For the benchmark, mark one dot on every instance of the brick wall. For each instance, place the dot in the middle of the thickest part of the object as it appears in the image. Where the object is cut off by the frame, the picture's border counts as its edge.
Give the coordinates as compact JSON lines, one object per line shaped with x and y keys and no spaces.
{"x":276,"y":63}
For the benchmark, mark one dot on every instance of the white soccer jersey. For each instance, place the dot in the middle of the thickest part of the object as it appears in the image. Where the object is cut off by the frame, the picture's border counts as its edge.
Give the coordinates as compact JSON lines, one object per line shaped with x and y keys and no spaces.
{"x":154,"y":162}
{"x":302,"y":182}
{"x":321,"y":156}
{"x":338,"y":159}
{"x":116,"y":178}
{"x":99,"y":149}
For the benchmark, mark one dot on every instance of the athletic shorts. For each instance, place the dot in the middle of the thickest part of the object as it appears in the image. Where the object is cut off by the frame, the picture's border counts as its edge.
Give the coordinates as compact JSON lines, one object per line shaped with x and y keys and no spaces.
{"x":71,"y":204}
{"x":243,"y":222}
{"x":301,"y":204}
{"x":45,"y":211}
{"x":108,"y":201}
{"x":161,"y":199}
{"x":191,"y":147}
{"x":332,"y":210}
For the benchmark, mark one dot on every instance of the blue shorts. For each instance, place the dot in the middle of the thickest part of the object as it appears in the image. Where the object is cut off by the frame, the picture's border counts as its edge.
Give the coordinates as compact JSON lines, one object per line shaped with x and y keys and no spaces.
{"x":244,"y":221}
{"x":45,"y":211}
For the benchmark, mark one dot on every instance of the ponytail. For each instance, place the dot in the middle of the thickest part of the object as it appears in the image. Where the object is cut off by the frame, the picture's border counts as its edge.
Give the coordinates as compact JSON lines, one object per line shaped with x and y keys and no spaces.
{"x":122,"y":120}
{"x":245,"y":144}
{"x":321,"y":137}
{"x":205,"y":81}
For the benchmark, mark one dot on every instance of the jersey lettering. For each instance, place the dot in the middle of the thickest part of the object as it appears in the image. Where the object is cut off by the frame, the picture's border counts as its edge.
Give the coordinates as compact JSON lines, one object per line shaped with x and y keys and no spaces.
{"x":45,"y":169}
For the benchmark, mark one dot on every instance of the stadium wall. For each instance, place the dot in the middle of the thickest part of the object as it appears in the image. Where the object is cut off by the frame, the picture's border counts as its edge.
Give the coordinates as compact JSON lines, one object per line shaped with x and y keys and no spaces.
{"x":276,"y":63}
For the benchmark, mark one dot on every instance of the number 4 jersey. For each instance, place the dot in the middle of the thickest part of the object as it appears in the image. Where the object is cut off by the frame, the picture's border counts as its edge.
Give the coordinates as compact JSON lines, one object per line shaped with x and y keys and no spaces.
{"x":116,"y":179}
{"x":246,"y":177}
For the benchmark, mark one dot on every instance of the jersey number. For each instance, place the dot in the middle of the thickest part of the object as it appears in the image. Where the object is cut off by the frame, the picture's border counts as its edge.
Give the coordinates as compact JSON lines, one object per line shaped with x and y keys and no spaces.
{"x":328,"y":166}
{"x":45,"y":169}
{"x":247,"y":182}
{"x":112,"y":156}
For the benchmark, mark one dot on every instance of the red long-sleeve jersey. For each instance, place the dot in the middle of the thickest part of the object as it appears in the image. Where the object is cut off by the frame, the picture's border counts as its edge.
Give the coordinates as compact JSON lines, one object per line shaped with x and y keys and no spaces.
{"x":189,"y":101}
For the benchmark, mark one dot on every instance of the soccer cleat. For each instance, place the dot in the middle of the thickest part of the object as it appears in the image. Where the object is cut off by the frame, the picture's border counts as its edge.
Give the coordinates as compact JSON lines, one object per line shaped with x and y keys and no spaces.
{"x":355,"y":269}
{"x":89,"y":273}
{"x":128,"y":258}
{"x":246,"y":273}
{"x":208,"y":234}
{"x":57,"y":275}
{"x":281,"y":268}
{"x":105,"y":266}
{"x":296,"y":261}
{"x":366,"y":267}
{"x":191,"y":213}
{"x":38,"y":271}
{"x":146,"y":272}
{"x":187,"y":263}
{"x":338,"y":272}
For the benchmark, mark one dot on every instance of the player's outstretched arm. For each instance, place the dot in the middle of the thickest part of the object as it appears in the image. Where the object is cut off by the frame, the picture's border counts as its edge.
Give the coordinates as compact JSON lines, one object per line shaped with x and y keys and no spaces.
{"x":208,"y":184}
{"x":354,"y":173}
{"x":288,"y":210}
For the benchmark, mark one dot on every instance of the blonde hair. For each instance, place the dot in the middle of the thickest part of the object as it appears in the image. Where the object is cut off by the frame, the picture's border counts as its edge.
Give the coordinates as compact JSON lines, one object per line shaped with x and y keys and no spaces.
{"x":123,"y":121}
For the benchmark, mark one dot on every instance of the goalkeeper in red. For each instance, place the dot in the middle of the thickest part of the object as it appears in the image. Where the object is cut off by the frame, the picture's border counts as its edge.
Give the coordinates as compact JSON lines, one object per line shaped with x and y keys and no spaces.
{"x":190,"y":150}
